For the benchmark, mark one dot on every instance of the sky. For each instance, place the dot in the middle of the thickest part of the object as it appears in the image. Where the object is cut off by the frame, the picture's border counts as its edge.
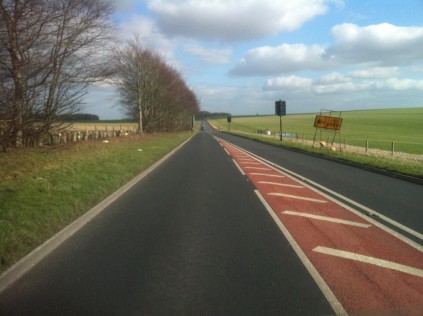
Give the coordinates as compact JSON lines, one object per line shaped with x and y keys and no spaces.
{"x":240,"y":56}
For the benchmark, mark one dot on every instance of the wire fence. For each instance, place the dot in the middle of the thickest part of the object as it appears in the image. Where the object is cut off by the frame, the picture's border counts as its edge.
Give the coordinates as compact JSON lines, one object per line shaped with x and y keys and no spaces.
{"x":411,"y":150}
{"x":77,"y":134}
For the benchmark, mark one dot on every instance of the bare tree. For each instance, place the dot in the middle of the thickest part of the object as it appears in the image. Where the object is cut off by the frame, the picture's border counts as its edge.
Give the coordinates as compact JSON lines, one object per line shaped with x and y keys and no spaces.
{"x":135,"y":70}
{"x":51,"y":51}
{"x":151,"y":91}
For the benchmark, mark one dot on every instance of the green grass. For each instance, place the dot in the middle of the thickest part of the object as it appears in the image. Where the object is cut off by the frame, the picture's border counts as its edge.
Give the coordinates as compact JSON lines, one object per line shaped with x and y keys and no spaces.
{"x":43,"y":190}
{"x":379,"y":127}
{"x":409,"y":168}
{"x":404,"y":127}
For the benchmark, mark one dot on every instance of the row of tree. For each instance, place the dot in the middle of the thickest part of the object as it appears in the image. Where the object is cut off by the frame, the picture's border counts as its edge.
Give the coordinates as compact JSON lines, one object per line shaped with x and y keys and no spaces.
{"x":51,"y":51}
{"x":204,"y":114}
{"x":80,"y":117}
{"x":152,"y":91}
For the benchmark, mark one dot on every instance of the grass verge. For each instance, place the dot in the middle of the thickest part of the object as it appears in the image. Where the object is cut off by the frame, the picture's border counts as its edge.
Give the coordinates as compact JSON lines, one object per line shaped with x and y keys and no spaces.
{"x":379,"y":127}
{"x":43,"y":190}
{"x":407,"y":168}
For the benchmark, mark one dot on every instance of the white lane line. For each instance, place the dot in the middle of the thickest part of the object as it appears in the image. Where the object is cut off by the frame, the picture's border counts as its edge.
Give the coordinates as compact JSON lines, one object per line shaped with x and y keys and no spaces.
{"x":370,"y":260}
{"x":251,"y":162}
{"x":297,"y":197}
{"x":296,"y":176}
{"x":239,"y":168}
{"x":282,"y":184}
{"x":327,"y":219}
{"x":327,"y":292}
{"x":226,"y":151}
{"x":258,"y":168}
{"x":267,"y":175}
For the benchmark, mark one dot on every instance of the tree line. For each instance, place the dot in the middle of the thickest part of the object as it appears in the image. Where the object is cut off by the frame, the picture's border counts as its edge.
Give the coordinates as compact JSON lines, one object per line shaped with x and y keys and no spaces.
{"x":151,"y":91}
{"x":51,"y":51}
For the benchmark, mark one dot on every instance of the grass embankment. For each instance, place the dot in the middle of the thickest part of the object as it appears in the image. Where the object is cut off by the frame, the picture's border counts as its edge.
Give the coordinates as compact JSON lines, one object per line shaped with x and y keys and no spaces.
{"x":408,"y":168}
{"x":380,"y":127}
{"x":43,"y":190}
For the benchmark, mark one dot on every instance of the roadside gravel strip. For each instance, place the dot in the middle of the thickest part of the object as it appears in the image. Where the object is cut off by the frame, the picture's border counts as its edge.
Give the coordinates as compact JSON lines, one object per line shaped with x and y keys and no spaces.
{"x":30,"y":260}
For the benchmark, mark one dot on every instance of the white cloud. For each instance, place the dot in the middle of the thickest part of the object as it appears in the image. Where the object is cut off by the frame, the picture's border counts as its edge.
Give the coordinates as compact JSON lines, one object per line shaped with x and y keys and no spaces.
{"x":376,"y":72}
{"x":336,"y":83}
{"x":341,"y":87}
{"x":285,"y":58}
{"x":210,"y":55}
{"x":291,"y":83}
{"x":403,"y":84}
{"x":232,"y":99}
{"x":333,"y":77}
{"x":233,"y":20}
{"x":382,"y":48}
{"x":373,"y":65}
{"x":392,"y":84}
{"x":148,"y":33}
{"x":380,"y":44}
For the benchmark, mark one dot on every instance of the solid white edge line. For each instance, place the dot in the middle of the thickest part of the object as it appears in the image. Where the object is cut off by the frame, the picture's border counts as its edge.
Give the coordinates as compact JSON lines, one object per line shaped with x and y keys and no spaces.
{"x":239,"y":168}
{"x":267,"y":175}
{"x":226,"y":151}
{"x":26,"y":263}
{"x":305,"y":182}
{"x":281,"y":184}
{"x":369,"y":260}
{"x":297,"y":197}
{"x":327,"y":219}
{"x":257,"y":168}
{"x":327,"y":292}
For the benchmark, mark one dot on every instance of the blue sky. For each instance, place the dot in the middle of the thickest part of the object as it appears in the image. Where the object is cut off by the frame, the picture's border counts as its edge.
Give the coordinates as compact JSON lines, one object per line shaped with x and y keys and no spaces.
{"x":239,"y":56}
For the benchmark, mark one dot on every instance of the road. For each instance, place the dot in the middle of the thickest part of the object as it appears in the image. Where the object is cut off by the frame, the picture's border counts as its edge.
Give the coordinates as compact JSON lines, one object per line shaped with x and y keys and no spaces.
{"x":194,"y":238}
{"x":395,"y":198}
{"x":191,"y":238}
{"x":363,"y":267}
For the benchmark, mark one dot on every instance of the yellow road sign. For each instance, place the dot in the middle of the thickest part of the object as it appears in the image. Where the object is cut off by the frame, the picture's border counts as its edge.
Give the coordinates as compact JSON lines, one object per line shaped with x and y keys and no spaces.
{"x":328,"y":122}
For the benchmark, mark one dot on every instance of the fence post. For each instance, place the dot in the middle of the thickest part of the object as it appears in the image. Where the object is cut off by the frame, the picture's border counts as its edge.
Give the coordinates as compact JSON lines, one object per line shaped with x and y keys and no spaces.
{"x":393,"y":148}
{"x":367,"y":145}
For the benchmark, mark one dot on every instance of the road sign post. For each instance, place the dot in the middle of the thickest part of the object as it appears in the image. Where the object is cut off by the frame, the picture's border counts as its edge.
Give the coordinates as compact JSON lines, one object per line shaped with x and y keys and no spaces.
{"x":280,"y":109}
{"x":330,"y":124}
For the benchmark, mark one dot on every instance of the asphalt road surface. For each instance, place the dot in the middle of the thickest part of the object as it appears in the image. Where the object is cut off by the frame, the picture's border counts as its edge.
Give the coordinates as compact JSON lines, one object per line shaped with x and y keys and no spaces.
{"x":193,"y":238}
{"x":190,"y":239}
{"x":397,"y":199}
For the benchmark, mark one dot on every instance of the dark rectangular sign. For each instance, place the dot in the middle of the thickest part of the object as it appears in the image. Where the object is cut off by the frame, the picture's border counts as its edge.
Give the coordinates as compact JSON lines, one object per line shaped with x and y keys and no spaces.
{"x":280,"y":108}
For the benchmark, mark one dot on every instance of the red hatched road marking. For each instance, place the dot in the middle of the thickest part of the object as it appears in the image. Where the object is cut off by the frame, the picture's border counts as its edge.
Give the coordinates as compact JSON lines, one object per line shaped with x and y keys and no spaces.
{"x":369,"y":270}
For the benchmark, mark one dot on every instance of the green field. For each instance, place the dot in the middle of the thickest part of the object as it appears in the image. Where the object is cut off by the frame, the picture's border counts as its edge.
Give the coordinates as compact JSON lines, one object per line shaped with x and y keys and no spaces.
{"x":380,"y":128}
